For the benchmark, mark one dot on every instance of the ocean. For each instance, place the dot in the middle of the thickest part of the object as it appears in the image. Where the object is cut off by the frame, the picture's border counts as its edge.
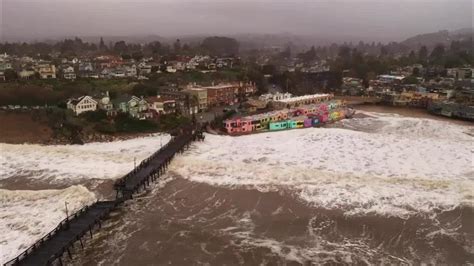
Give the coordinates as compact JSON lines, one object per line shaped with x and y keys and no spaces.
{"x":377,"y":189}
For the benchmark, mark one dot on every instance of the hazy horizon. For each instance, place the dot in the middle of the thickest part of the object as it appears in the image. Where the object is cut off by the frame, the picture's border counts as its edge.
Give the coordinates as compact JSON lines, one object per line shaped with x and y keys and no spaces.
{"x":371,"y":20}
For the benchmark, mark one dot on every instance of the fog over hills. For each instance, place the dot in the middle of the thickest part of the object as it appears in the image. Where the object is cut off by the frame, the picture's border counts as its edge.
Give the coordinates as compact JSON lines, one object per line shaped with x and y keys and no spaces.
{"x":320,"y":21}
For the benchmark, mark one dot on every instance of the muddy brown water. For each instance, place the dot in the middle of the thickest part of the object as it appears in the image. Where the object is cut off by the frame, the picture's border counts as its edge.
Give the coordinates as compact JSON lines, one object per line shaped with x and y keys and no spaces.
{"x":188,"y":223}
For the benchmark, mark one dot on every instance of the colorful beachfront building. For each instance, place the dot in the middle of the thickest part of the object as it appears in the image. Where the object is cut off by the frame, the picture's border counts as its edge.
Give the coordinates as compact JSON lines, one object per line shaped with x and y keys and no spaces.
{"x":301,"y":117}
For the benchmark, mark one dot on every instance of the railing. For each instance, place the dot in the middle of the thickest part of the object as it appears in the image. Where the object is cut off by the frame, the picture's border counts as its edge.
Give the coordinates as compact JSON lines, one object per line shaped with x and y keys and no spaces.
{"x":65,"y":223}
{"x":38,"y":243}
{"x":143,"y":163}
{"x":146,"y":161}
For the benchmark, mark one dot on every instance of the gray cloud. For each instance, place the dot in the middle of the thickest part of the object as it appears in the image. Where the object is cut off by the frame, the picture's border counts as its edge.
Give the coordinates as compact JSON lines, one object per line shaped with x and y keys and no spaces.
{"x":370,"y":19}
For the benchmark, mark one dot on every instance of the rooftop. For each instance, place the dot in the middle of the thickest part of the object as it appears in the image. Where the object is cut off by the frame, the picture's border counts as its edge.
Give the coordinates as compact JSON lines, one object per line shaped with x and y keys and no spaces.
{"x":304,"y":97}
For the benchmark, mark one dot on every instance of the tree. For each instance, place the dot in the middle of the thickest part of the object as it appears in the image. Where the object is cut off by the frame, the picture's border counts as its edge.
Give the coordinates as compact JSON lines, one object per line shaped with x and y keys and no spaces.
{"x":345,"y":53}
{"x":423,"y":54}
{"x":10,"y":75}
{"x":177,"y":45}
{"x":137,"y":55}
{"x":268,"y":69}
{"x":286,"y":53}
{"x":384,"y":51}
{"x":220,"y":46}
{"x":121,"y":47}
{"x":438,"y":52}
{"x":154,"y":48}
{"x":416,"y":72}
{"x":102,"y":46}
{"x":309,"y":55}
{"x":412,"y":57}
{"x":410,"y":80}
{"x":95,"y":116}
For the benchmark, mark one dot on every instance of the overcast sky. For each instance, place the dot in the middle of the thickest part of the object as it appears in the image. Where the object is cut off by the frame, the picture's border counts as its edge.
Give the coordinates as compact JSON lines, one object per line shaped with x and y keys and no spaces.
{"x":379,"y":19}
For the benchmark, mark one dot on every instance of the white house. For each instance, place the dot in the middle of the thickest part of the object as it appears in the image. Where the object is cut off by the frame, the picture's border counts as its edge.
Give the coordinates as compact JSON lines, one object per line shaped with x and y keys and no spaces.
{"x":82,"y":104}
{"x":47,"y":71}
{"x":275,"y":96}
{"x":104,"y":103}
{"x":145,"y":68}
{"x":170,"y":69}
{"x":68,"y":73}
{"x":130,"y":71}
{"x":26,"y":73}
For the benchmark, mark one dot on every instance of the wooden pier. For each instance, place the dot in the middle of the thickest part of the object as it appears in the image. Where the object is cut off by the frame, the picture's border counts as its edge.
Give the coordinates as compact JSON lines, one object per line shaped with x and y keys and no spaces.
{"x":52,"y":247}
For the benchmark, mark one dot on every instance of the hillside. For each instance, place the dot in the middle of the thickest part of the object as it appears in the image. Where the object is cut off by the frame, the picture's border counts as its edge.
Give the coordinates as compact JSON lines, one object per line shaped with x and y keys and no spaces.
{"x":441,"y":37}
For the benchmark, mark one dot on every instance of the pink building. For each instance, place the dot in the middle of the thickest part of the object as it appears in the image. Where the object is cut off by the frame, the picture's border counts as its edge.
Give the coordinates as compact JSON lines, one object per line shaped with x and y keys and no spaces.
{"x":238,"y":125}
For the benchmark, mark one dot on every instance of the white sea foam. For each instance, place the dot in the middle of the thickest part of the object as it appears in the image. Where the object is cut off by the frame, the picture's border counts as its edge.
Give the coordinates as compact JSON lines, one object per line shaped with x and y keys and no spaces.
{"x":93,"y":160}
{"x":399,"y":166}
{"x":26,"y":215}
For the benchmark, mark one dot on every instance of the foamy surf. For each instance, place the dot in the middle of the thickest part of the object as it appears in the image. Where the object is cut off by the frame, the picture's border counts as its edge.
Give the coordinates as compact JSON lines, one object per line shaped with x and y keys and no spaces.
{"x":90,"y":161}
{"x":400,"y":167}
{"x":25,"y":216}
{"x":28,"y":215}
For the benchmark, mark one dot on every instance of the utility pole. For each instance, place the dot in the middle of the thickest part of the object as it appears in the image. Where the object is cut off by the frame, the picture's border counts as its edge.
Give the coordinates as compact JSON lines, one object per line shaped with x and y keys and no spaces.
{"x":134,"y":162}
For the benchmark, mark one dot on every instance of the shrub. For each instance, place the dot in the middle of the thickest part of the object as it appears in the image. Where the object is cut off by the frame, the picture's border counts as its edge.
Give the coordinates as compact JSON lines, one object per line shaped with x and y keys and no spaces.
{"x":124,"y":123}
{"x":105,"y":128}
{"x":94,"y":116}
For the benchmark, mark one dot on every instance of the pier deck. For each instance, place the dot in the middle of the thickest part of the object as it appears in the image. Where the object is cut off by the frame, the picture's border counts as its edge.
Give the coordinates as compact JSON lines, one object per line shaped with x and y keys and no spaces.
{"x":51,"y":247}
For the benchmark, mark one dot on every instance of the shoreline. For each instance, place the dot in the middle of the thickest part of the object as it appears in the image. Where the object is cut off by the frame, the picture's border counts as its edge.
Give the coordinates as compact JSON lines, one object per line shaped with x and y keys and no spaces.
{"x":409,"y":112}
{"x":263,"y":226}
{"x":23,"y":129}
{"x":94,"y":139}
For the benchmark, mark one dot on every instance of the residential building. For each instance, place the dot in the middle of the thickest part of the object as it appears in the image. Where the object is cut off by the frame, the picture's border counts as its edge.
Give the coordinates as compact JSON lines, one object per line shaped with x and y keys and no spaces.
{"x":274,"y":96}
{"x":68,"y":73}
{"x":184,"y":104}
{"x":414,"y":99}
{"x":247,"y":88}
{"x":104,"y":103}
{"x":136,"y":107}
{"x":82,"y":104}
{"x":130,"y":70}
{"x":144,"y":68}
{"x":118,"y":73}
{"x":302,"y":100}
{"x":26,"y":73}
{"x":252,"y":105}
{"x":464,"y":73}
{"x":161,"y":105}
{"x":390,"y":79}
{"x":171,"y":69}
{"x":86,"y":67}
{"x":200,"y":94}
{"x":90,"y":74}
{"x":223,"y":94}
{"x":5,"y":65}
{"x":47,"y":71}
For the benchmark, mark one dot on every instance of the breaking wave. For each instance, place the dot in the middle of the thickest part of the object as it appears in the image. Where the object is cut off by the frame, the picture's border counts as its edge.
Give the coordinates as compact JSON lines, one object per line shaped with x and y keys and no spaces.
{"x":398,"y":167}
{"x":61,"y":162}
{"x":28,"y":215}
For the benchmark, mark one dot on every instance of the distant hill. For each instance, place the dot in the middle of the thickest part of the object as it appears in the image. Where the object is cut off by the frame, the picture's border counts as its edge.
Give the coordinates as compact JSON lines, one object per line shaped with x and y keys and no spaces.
{"x":441,"y":37}
{"x":296,"y":42}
